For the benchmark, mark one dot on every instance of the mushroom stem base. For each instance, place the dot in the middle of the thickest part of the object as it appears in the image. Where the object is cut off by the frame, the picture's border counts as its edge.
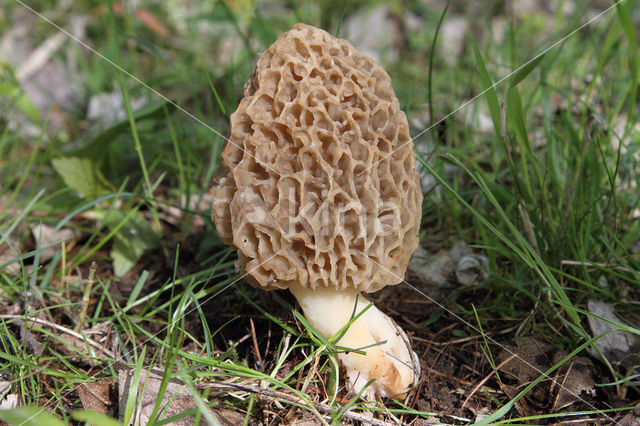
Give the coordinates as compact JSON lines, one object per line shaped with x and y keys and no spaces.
{"x":393,"y":364}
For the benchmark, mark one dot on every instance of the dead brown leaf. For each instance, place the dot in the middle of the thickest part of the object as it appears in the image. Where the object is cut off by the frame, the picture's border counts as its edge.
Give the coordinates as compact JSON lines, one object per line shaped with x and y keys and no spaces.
{"x":146,"y":18}
{"x":96,"y":396}
{"x":631,"y":419}
{"x":534,"y":358}
{"x":175,"y":400}
{"x":45,"y":235}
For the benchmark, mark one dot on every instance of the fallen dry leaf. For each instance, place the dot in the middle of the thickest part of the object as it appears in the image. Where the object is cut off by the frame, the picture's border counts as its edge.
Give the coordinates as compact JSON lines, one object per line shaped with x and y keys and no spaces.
{"x":11,"y":245}
{"x":146,"y":18}
{"x":106,"y":108}
{"x":72,"y":345}
{"x":7,"y":257}
{"x":44,"y":235}
{"x":28,"y":338}
{"x":228,"y":417}
{"x":575,"y":381}
{"x":176,"y":399}
{"x":631,"y":419}
{"x":150,"y":21}
{"x":96,"y":396}
{"x":534,"y":358}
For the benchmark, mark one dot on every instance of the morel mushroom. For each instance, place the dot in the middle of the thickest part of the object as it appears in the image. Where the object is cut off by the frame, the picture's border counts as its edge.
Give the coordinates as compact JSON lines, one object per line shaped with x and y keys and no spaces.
{"x":322,"y":196}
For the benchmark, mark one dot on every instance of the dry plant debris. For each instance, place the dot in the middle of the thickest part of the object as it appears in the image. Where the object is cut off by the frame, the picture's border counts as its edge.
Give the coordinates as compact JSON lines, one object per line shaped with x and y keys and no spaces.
{"x":571,"y":383}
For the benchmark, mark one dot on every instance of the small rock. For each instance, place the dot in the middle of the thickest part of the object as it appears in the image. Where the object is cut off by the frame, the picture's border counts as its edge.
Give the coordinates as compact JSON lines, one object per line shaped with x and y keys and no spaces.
{"x":435,"y":270}
{"x":451,"y":38}
{"x":617,"y":346}
{"x":378,"y":44}
{"x":108,"y":108}
{"x":460,"y":262}
{"x":470,"y":267}
{"x":11,"y":401}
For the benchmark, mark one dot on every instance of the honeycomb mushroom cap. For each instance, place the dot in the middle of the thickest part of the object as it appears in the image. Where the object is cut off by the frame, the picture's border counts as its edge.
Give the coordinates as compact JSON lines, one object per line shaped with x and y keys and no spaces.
{"x":322,"y":188}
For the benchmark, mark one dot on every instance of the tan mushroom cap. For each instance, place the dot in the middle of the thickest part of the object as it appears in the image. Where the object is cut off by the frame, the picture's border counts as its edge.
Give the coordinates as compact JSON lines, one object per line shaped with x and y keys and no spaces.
{"x":322,"y":188}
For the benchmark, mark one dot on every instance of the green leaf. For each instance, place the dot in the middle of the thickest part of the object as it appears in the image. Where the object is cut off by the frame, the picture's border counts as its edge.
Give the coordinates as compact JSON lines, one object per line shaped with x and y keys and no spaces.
{"x":21,"y":100}
{"x":10,"y":87}
{"x":134,"y":237}
{"x":81,"y":175}
{"x":94,"y":418}
{"x":133,"y":297}
{"x":333,"y":381}
{"x":123,"y":259}
{"x":30,"y":416}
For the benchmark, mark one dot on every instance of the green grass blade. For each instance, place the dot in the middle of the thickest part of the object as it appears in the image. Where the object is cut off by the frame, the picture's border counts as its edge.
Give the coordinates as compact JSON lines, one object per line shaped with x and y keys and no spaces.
{"x":94,"y":418}
{"x":29,"y":416}
{"x":202,"y":406}
{"x":432,"y":54}
{"x":634,"y":63}
{"x":134,"y":386}
{"x":490,"y":91}
{"x":502,"y":411}
{"x":524,"y":71}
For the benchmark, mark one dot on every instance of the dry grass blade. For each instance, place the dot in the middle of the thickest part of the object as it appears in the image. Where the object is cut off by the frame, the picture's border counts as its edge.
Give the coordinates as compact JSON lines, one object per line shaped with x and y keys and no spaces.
{"x":487,"y":377}
{"x":63,"y":329}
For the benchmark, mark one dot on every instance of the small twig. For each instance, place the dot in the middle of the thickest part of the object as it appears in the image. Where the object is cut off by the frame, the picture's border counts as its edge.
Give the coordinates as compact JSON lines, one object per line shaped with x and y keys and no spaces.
{"x":63,"y":271}
{"x":593,"y":264}
{"x":86,"y":297}
{"x":64,"y":330}
{"x":463,"y":339}
{"x":295,"y":400}
{"x":482,"y":382}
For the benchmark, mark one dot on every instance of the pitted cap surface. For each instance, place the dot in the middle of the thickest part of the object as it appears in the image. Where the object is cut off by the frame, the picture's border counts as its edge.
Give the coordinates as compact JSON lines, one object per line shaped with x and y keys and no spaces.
{"x":322,"y":188}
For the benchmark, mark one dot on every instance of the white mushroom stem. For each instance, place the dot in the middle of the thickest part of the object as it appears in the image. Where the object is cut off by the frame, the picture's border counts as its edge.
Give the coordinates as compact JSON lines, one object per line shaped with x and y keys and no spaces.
{"x":393,"y":364}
